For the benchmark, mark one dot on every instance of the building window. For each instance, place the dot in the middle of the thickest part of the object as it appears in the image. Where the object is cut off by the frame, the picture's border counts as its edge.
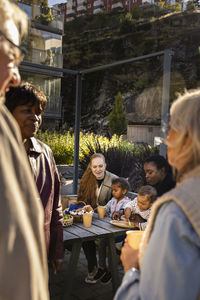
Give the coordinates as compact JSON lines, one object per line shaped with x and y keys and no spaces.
{"x":51,"y":86}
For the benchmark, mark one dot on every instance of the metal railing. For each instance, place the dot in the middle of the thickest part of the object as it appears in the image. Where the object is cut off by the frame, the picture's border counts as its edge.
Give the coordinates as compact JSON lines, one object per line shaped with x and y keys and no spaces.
{"x":44,"y":57}
{"x":167,"y":54}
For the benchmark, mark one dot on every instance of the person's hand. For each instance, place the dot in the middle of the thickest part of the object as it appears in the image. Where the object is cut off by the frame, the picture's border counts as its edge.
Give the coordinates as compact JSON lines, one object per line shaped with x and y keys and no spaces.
{"x":87,"y":208}
{"x":56,"y":264}
{"x":127,"y":213}
{"x":129,"y":257}
{"x":116,"y":215}
{"x":135,"y":224}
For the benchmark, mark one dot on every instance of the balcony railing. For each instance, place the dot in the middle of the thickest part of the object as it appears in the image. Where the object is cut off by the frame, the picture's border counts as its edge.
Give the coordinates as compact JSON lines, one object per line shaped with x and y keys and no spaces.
{"x":79,"y":2}
{"x":69,"y":18}
{"x":81,"y":8}
{"x":98,"y":3}
{"x":71,"y":12}
{"x":44,"y":57}
{"x":117,"y":5}
{"x":97,"y":10}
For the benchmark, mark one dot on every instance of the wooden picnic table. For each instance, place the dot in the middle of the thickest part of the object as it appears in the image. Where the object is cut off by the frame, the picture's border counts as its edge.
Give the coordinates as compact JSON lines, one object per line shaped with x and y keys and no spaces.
{"x":77,"y":233}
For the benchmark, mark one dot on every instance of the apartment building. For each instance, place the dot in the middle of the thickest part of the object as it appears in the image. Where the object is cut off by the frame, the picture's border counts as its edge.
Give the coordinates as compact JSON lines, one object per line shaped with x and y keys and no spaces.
{"x":76,"y":8}
{"x":44,"y":48}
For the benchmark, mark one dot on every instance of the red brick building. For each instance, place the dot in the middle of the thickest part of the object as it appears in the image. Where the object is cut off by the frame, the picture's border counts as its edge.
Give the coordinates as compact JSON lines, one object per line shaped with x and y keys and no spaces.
{"x":76,"y":8}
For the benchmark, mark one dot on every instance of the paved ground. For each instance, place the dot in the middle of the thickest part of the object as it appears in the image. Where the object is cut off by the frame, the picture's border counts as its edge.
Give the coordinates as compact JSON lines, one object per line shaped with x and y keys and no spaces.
{"x":81,"y":290}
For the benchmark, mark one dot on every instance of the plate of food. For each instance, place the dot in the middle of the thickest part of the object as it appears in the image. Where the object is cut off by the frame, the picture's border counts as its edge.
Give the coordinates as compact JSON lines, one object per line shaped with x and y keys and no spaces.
{"x":123,"y":223}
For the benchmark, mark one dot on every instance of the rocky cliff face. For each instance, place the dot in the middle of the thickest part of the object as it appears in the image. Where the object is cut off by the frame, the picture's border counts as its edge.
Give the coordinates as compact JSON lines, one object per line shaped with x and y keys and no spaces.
{"x":141,"y":82}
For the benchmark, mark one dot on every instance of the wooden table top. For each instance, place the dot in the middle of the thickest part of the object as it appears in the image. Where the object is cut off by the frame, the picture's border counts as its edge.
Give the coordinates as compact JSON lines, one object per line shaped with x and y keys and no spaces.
{"x":99,"y":228}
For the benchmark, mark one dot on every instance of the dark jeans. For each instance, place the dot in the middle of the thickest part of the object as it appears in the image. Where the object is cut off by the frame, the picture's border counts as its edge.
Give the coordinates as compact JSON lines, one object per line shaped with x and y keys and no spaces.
{"x":103,"y":244}
{"x":89,"y":249}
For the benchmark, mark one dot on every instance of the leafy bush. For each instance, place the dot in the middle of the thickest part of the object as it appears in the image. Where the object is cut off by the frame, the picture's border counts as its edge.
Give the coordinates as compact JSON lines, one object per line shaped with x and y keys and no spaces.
{"x":46,"y":15}
{"x":136,"y":12}
{"x":122,"y":157}
{"x":190,"y":6}
{"x":62,"y":145}
{"x":127,"y":23}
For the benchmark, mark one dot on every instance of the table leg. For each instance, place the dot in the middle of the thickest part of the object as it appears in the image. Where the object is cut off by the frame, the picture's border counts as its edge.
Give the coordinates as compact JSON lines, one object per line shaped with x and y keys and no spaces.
{"x":113,"y":263}
{"x":73,"y":261}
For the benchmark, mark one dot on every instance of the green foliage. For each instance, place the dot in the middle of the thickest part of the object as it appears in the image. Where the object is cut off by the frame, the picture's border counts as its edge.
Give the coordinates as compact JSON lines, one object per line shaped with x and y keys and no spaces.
{"x":174,"y":7}
{"x":124,"y":159}
{"x":190,"y":6}
{"x":73,"y":57}
{"x":127,"y":23}
{"x":117,"y":117}
{"x":136,"y":12}
{"x":62,"y":145}
{"x":142,"y":82}
{"x":45,"y":16}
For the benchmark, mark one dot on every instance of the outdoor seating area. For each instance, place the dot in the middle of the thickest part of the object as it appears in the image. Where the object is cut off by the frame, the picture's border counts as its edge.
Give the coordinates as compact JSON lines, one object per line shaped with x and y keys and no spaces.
{"x":81,"y":290}
{"x":99,"y":150}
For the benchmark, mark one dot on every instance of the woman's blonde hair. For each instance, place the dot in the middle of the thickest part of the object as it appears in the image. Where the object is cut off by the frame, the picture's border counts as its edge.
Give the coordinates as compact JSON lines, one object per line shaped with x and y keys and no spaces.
{"x":185,"y":119}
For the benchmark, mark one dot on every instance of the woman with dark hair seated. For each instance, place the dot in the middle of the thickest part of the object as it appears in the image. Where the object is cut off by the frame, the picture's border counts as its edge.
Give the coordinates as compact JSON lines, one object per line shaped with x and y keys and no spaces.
{"x":158,"y":174}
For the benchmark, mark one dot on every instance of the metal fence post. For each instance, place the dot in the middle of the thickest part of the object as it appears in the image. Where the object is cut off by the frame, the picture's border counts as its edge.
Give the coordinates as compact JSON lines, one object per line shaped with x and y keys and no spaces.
{"x":165,"y":99}
{"x":77,"y":131}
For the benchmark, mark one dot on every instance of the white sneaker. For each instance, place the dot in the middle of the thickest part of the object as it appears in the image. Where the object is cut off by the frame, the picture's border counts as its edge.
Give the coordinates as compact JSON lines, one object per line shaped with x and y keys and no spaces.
{"x":90,"y":276}
{"x":119,"y":245}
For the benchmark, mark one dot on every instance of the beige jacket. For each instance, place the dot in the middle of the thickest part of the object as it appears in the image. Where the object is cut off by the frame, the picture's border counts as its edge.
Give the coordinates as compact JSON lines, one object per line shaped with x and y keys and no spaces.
{"x":23,"y":263}
{"x":105,"y":189}
{"x":187,"y":195}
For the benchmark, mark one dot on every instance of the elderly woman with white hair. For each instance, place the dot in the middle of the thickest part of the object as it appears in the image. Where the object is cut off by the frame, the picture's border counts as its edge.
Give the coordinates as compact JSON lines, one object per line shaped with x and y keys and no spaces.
{"x":168,"y":263}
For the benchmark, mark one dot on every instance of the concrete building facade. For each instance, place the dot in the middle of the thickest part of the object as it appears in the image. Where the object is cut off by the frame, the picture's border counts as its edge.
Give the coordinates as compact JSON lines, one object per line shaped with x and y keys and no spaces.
{"x":43,"y":47}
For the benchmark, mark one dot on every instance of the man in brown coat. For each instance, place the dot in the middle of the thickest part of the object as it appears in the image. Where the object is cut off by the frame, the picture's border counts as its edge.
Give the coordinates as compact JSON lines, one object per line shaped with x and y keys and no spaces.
{"x":23,"y":263}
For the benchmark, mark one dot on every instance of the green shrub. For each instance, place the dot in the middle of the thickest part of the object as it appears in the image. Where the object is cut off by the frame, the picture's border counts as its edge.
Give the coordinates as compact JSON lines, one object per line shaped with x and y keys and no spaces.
{"x":62,"y":145}
{"x":190,"y":6}
{"x":122,"y":157}
{"x":117,"y":118}
{"x":127,"y":23}
{"x":136,"y":12}
{"x":46,"y":15}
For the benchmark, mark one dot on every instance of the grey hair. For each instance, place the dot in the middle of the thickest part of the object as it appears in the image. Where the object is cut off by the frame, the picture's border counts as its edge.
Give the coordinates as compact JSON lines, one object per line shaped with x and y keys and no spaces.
{"x":10,"y":11}
{"x":185,"y":119}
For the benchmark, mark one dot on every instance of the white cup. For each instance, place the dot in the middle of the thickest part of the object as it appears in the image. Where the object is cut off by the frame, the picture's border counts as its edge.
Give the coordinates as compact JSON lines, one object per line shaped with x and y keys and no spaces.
{"x":87,"y":219}
{"x":134,"y":238}
{"x":101,"y":211}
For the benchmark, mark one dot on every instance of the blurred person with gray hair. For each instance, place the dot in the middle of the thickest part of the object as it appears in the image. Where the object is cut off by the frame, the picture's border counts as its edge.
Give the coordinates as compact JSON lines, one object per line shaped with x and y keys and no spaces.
{"x":168,"y":263}
{"x":23,"y":262}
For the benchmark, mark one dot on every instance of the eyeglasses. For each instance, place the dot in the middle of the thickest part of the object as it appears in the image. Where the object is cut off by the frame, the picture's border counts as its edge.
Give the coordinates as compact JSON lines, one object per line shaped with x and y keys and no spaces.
{"x":19,"y":53}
